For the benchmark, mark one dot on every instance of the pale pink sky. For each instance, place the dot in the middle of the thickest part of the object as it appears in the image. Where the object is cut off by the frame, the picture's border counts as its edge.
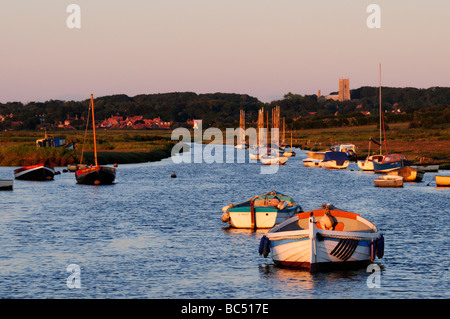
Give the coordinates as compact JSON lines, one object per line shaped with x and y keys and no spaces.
{"x":265,"y":48}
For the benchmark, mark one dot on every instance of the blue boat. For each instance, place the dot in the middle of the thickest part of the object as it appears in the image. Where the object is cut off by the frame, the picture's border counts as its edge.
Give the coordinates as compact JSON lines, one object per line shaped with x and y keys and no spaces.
{"x":390,"y":162}
{"x":335,"y":160}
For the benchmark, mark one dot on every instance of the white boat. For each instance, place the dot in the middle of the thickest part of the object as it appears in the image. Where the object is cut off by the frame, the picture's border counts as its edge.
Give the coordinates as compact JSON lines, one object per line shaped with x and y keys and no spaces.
{"x":349,"y":149}
{"x":389,"y":181}
{"x":367,"y":164}
{"x":316,"y":155}
{"x":273,"y":159}
{"x":6,"y":184}
{"x":310,"y":162}
{"x":261,"y":211}
{"x":323,"y":239}
{"x":335,"y":160}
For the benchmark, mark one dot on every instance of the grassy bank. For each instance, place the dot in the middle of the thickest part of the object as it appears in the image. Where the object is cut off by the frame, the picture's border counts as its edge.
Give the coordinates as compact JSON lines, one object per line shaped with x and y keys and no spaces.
{"x":121,"y":147}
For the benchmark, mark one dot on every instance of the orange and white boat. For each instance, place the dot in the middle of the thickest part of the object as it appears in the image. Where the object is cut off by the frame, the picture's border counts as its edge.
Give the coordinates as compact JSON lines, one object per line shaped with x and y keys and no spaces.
{"x":323,"y":239}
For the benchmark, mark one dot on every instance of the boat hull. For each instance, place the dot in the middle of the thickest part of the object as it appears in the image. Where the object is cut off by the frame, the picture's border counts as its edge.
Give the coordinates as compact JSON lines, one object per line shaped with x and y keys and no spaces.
{"x":309,"y":162}
{"x":6,"y":184}
{"x":38,"y":172}
{"x":273,"y":160}
{"x":409,"y":174}
{"x":334,"y":164}
{"x":442,"y":181}
{"x":315,"y":248}
{"x":263,"y":217}
{"x":97,"y":175}
{"x":389,"y":181}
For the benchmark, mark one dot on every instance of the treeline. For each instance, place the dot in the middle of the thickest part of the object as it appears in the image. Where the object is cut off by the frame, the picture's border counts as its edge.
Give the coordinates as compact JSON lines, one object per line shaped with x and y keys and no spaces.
{"x":422,"y":107}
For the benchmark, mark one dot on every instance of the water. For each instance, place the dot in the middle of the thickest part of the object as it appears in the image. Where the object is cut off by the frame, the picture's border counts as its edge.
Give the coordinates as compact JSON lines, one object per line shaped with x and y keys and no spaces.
{"x":153,"y":236}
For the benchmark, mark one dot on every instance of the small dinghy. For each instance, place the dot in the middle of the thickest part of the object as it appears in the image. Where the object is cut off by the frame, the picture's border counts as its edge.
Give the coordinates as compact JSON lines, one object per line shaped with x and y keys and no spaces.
{"x":39,"y":172}
{"x":261,"y":211}
{"x":323,"y":239}
{"x":389,"y":181}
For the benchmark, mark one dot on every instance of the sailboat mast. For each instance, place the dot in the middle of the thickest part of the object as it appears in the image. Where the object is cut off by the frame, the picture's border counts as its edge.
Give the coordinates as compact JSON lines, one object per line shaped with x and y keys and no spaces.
{"x":380,"y":107}
{"x":93,"y":127}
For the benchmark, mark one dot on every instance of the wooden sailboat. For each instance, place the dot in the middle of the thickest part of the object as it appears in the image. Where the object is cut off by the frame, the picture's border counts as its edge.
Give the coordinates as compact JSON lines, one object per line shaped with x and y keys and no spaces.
{"x":389,"y":162}
{"x":95,"y":175}
{"x":291,"y":152}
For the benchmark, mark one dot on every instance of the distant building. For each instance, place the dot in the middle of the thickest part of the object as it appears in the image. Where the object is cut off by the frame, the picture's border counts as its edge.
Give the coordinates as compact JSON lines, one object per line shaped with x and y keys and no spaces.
{"x":344,"y":90}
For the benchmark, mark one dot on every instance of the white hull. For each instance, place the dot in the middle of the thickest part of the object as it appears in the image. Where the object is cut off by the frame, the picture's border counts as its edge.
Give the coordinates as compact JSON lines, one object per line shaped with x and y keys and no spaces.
{"x":389,"y":181}
{"x":365,"y":165}
{"x":334,"y":165}
{"x":263,"y":219}
{"x":309,"y":162}
{"x":273,"y":160}
{"x":315,"y":249}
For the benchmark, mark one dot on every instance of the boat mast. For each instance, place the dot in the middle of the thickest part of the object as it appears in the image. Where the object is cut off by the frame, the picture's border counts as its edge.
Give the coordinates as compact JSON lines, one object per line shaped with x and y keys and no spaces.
{"x":380,"y":108}
{"x":93,"y":127}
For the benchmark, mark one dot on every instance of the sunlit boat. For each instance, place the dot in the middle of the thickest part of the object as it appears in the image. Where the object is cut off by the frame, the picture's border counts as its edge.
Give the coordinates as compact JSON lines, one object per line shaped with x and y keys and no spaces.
{"x":367,"y":164}
{"x":323,"y":239}
{"x":95,"y":175}
{"x":390,"y":162}
{"x":442,"y":181}
{"x":6,"y":184}
{"x":273,"y":159}
{"x":310,"y":162}
{"x":261,"y":211}
{"x":335,"y":160}
{"x":349,"y":149}
{"x":409,"y":174}
{"x":39,"y":172}
{"x":316,"y":155}
{"x":388,"y":181}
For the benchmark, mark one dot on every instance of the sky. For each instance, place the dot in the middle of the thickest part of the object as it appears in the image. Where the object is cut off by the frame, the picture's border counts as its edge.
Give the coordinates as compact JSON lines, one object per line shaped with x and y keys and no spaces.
{"x":264,"y":48}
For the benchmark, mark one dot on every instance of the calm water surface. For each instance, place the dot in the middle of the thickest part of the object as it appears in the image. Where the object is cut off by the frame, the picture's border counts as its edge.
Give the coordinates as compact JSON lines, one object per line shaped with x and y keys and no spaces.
{"x":153,"y":236}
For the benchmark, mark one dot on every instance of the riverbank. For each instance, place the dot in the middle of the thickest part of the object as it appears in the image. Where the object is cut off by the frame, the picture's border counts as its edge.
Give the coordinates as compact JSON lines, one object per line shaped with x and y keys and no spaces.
{"x":113,"y":147}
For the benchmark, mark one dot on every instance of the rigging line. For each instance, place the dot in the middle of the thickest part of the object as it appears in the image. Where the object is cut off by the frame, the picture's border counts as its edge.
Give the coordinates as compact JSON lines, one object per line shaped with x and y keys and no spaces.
{"x":85,"y":133}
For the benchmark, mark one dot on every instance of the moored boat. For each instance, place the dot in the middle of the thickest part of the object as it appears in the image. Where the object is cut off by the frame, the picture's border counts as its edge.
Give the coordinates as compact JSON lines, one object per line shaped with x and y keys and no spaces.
{"x":316,"y":155}
{"x":390,"y":162}
{"x":367,"y":164}
{"x":310,"y":162}
{"x":442,"y":181}
{"x":323,"y":239}
{"x":335,"y":160}
{"x":261,"y":211}
{"x":389,"y":181}
{"x":273,"y":159}
{"x":6,"y":184}
{"x":409,"y":174}
{"x":39,"y":172}
{"x":95,"y":175}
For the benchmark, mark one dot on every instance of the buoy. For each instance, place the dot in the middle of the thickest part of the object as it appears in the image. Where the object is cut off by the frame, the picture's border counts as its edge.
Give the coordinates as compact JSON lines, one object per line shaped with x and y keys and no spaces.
{"x":380,"y":247}
{"x":115,"y":165}
{"x":97,"y":182}
{"x":173,"y":176}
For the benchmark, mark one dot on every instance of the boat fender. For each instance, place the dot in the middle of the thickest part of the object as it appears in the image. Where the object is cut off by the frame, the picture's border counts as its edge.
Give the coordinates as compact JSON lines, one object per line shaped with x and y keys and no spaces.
{"x":282,"y":205}
{"x":225,"y":209}
{"x":264,"y":246}
{"x":380,"y":247}
{"x":225,"y":217}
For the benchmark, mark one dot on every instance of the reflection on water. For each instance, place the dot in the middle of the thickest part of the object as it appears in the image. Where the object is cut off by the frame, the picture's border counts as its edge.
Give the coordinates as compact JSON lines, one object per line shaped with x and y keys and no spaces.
{"x":153,"y":236}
